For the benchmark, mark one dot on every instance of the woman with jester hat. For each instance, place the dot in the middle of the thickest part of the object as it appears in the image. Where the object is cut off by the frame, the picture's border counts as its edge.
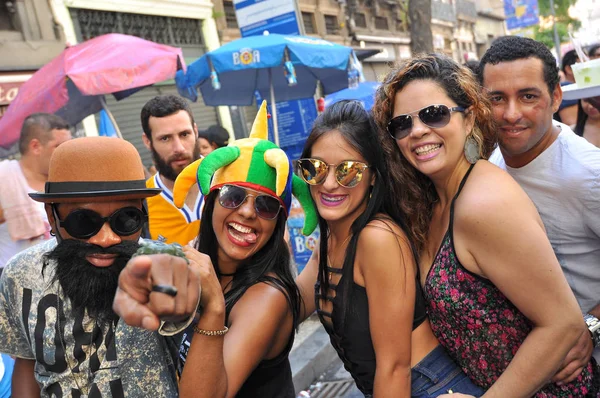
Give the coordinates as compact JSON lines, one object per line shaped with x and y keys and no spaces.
{"x":239,"y":341}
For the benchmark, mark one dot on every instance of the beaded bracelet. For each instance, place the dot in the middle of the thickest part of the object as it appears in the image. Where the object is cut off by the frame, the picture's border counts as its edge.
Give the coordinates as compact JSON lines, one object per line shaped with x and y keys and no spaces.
{"x":211,"y":332}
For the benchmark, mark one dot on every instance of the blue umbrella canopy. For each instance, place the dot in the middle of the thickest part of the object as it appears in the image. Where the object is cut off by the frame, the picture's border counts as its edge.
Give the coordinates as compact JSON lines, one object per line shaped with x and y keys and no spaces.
{"x":365,"y":93}
{"x":232,"y":73}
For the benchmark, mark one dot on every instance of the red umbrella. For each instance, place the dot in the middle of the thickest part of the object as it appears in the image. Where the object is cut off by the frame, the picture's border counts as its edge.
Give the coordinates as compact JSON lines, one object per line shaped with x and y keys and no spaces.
{"x":73,"y":84}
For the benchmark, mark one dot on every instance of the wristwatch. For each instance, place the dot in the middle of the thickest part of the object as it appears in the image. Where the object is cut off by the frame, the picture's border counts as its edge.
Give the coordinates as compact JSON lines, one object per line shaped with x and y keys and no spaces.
{"x":593,"y":325}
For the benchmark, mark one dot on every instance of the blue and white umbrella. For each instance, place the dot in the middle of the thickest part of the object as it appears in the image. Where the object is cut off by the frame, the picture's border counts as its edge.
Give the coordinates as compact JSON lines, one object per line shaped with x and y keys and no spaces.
{"x":277,"y":66}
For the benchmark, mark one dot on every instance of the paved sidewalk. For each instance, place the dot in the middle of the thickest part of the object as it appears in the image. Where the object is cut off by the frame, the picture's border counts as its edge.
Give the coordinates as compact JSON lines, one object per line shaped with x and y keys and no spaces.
{"x":311,"y":354}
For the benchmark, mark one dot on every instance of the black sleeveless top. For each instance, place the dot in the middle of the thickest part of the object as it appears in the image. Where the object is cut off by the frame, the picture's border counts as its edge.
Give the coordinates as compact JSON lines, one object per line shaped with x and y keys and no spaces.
{"x":272,"y":378}
{"x":350,"y":333}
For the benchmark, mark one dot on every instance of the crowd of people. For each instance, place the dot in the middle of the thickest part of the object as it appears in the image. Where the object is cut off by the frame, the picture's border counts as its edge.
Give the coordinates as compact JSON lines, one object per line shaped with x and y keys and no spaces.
{"x":459,"y":249}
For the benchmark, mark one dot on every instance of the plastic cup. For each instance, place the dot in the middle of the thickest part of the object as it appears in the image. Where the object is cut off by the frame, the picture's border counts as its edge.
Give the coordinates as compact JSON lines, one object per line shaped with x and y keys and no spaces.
{"x":587,"y":73}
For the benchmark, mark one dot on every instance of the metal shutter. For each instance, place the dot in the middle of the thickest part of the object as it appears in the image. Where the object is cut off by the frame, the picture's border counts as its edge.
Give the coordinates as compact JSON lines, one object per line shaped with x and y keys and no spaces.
{"x":204,"y":116}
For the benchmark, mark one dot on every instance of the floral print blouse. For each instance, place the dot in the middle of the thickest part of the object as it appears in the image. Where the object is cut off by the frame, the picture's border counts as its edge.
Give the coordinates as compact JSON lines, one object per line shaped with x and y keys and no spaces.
{"x":479,"y":327}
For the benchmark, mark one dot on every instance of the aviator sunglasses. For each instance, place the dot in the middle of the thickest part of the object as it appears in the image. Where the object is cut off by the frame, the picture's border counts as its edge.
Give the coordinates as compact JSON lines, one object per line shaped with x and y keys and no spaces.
{"x":266,"y":206}
{"x":347,"y":173}
{"x":434,"y":116}
{"x":85,"y":223}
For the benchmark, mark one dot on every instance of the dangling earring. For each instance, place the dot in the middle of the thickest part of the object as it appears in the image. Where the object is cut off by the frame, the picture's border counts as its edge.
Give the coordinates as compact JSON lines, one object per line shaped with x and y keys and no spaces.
{"x":471,"y":149}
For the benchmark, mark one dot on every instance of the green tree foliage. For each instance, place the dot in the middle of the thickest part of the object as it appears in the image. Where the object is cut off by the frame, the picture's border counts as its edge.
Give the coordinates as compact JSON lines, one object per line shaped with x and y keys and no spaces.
{"x":563,"y":22}
{"x":561,"y":7}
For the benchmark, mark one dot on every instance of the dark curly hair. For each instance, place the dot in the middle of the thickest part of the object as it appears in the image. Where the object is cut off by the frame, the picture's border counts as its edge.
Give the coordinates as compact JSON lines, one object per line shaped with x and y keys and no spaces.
{"x":513,"y":48}
{"x":414,"y":192}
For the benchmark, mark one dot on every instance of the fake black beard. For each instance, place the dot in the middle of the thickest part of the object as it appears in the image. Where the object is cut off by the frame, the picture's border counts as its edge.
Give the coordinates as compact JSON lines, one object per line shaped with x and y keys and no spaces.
{"x":163,"y":167}
{"x":89,"y":287}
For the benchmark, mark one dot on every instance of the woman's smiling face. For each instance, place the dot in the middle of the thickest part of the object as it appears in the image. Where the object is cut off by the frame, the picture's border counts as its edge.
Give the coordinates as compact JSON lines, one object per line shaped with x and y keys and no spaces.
{"x":335,"y":202}
{"x":430,"y":150}
{"x":240,"y":232}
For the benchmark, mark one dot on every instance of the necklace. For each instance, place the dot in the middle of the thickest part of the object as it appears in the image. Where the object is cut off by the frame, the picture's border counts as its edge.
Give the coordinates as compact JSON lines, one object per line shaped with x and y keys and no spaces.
{"x":227,"y":284}
{"x":330,"y":263}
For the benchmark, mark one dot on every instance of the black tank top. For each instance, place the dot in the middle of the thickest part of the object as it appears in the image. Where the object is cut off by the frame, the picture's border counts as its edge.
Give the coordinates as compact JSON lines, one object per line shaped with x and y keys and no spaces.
{"x":350,"y":333}
{"x":272,"y":378}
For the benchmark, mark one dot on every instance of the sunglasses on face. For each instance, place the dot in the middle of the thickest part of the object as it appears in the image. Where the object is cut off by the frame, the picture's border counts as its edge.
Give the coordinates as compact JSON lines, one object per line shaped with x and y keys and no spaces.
{"x":348,"y":173}
{"x":85,"y":223}
{"x":434,"y":116}
{"x":266,"y":206}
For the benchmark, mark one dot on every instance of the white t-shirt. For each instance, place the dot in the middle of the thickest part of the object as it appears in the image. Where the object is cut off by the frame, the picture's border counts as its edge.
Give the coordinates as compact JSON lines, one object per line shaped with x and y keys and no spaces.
{"x":564,"y":184}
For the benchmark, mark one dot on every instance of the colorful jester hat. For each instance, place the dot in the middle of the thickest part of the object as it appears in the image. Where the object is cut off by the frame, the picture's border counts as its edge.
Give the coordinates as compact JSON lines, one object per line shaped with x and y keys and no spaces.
{"x":255,"y":163}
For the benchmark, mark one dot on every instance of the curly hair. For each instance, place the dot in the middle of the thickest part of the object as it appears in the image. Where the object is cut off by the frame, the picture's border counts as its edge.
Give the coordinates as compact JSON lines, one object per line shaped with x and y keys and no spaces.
{"x":414,"y":191}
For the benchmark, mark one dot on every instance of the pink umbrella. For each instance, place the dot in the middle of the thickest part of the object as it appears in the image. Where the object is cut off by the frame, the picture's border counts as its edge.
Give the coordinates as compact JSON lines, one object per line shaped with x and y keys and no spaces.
{"x":73,"y":84}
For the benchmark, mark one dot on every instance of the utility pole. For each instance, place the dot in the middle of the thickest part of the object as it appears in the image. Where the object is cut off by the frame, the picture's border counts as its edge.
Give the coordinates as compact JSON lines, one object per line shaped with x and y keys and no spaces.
{"x":556,"y":40}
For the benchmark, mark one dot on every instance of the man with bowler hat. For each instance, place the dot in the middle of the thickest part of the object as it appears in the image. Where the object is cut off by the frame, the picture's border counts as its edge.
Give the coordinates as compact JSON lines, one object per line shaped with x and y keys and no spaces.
{"x":56,"y":298}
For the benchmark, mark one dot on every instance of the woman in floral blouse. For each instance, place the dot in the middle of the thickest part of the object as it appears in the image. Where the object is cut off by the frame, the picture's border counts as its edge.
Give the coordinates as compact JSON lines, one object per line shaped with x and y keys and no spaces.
{"x":497,"y":298}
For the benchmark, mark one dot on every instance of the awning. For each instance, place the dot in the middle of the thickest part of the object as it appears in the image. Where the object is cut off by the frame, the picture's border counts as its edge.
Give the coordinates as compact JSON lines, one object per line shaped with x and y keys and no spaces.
{"x":362,"y":53}
{"x":382,"y":39}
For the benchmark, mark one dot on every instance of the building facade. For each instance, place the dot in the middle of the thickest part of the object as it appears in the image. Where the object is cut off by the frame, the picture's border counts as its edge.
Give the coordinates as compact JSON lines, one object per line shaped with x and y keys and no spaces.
{"x":381,"y":26}
{"x":464,"y":31}
{"x":39,"y":31}
{"x":30,"y":36}
{"x":443,"y":21}
{"x":490,"y":24}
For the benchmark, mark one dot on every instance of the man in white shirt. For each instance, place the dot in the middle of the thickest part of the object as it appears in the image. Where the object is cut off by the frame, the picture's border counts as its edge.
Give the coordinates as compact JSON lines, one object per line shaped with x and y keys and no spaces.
{"x":559,"y":170}
{"x":25,"y":222}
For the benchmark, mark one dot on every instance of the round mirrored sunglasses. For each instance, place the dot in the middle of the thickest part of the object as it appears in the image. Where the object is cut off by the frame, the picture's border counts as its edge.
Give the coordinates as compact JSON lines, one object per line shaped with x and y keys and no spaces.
{"x":348,"y":173}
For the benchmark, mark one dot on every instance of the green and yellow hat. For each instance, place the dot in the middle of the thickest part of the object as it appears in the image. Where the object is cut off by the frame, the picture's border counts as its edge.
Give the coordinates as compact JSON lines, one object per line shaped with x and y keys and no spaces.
{"x":255,"y":163}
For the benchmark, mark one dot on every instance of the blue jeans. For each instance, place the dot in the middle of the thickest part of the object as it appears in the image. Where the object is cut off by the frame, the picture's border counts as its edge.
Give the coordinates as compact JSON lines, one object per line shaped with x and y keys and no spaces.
{"x":437,"y":373}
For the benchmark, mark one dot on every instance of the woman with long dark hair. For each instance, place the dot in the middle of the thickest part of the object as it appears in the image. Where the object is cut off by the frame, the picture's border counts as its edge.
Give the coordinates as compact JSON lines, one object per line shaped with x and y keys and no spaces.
{"x":248,"y":290}
{"x":496,"y":296}
{"x":249,"y":308}
{"x":367,"y":293}
{"x":588,"y":120}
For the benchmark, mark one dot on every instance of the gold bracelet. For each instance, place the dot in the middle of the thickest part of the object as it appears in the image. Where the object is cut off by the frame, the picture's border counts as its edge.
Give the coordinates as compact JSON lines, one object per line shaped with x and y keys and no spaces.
{"x":211,"y":332}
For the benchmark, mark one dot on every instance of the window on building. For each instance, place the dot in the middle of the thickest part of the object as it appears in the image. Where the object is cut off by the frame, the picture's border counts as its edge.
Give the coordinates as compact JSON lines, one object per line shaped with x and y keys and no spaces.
{"x":7,"y":15}
{"x":230,"y":18}
{"x":401,"y":26}
{"x":308,"y":18}
{"x":159,"y":29}
{"x":331,"y":25}
{"x":360,"y":20}
{"x":381,"y":23}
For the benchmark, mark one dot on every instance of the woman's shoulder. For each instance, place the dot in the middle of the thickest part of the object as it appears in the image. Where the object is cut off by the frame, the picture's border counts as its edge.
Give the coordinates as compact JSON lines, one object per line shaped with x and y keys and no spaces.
{"x":381,"y":227}
{"x":492,"y":194}
{"x":263,"y":294}
{"x":380,"y":235}
{"x":488,"y":185}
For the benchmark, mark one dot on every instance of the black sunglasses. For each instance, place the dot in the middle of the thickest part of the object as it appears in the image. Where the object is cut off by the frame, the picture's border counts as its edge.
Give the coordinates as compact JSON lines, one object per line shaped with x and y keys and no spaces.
{"x":266,"y":206}
{"x":434,"y":116}
{"x":85,"y":223}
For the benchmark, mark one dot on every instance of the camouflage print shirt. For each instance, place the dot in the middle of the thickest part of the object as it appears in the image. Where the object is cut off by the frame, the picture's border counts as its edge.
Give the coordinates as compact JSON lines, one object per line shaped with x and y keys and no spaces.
{"x":74,"y":357}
